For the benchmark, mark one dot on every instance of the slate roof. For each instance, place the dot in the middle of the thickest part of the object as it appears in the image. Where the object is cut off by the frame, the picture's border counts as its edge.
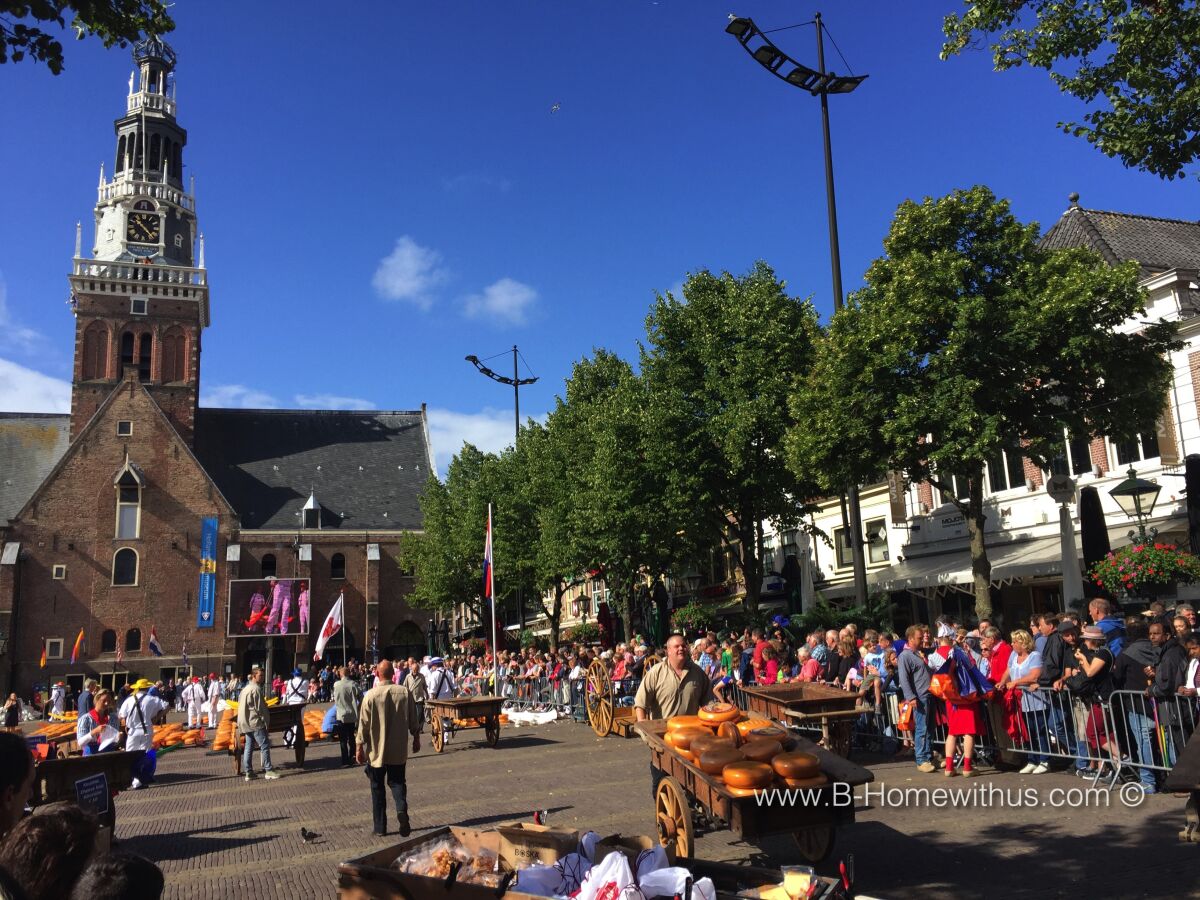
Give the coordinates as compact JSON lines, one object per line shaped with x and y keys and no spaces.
{"x":366,"y":468}
{"x":31,"y":444}
{"x":1158,"y":245}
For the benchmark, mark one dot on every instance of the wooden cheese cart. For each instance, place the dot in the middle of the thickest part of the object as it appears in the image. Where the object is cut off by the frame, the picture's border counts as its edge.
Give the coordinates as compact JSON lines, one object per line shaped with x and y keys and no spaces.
{"x":686,"y":790}
{"x":446,"y":713}
{"x":809,"y":705}
{"x":56,"y":779}
{"x":280,"y":718}
{"x":605,"y":714}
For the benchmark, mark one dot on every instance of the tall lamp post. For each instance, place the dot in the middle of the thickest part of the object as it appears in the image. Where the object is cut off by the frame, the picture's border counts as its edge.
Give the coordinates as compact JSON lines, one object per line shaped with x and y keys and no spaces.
{"x":1136,"y":497}
{"x":821,"y":84}
{"x":517,"y":383}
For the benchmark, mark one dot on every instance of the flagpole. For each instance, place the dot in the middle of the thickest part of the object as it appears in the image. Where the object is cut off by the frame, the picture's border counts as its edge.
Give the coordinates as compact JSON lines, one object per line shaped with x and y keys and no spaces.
{"x":492,"y":598}
{"x":345,"y":662}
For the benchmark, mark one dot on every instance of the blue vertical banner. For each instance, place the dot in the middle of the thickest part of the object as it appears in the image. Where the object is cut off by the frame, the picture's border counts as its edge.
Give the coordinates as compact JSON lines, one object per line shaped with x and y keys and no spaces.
{"x":206,"y":608}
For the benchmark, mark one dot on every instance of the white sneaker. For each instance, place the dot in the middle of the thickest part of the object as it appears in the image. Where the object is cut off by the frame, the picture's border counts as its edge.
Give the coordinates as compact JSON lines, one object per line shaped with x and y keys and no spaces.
{"x":271,"y":775}
{"x":1029,"y":767}
{"x":135,"y":785}
{"x":1040,"y":769}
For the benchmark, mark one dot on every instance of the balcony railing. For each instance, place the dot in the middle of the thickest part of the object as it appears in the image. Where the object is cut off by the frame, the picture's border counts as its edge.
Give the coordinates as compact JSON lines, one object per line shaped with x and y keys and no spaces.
{"x":144,"y":100}
{"x":134,"y":273}
{"x":145,"y":184}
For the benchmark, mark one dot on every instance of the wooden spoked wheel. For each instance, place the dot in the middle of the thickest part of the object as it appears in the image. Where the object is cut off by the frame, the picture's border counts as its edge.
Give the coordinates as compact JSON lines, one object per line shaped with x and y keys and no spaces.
{"x":673,"y":816}
{"x":599,"y":698}
{"x":815,"y":844}
{"x":651,"y":661}
{"x":492,"y":730}
{"x":436,"y":735}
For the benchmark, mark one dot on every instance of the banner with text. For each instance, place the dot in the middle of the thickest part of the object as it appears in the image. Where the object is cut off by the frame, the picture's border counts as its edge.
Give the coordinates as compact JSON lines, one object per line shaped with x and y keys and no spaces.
{"x":207,"y":605}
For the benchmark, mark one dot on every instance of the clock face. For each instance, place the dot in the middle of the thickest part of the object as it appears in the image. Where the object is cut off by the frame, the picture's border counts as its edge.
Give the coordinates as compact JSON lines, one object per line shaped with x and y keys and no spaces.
{"x":142,"y":227}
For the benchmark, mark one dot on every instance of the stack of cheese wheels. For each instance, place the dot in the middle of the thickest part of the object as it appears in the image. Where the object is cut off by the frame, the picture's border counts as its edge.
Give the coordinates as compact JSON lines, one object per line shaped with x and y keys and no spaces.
{"x":799,"y":770}
{"x":730,"y":730}
{"x":714,"y":760}
{"x":681,"y":739}
{"x":745,"y":726}
{"x":761,"y":749}
{"x":709,"y":741}
{"x":742,"y":779}
{"x":676,"y":722}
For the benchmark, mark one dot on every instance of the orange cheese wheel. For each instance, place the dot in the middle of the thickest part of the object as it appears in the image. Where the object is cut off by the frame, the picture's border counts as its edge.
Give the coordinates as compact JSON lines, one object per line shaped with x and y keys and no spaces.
{"x":715,"y":713}
{"x":815,"y":781}
{"x":796,"y":765}
{"x":761,"y":749}
{"x":708,"y":742}
{"x":746,"y":726}
{"x":729,"y":730}
{"x":775,"y":732}
{"x":748,"y":774}
{"x":714,"y":760}
{"x":682,"y":739}
{"x":676,"y":722}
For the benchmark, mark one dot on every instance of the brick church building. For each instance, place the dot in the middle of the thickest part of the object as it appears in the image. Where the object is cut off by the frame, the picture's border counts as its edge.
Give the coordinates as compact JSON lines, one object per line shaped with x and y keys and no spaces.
{"x":102,"y":511}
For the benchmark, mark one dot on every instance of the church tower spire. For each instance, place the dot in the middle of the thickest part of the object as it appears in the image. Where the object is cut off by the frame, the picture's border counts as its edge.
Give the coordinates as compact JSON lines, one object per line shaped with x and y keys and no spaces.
{"x":140,"y":301}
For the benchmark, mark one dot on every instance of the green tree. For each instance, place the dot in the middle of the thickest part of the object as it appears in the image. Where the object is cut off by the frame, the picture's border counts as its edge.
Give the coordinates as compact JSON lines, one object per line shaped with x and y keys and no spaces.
{"x":970,"y":339}
{"x":113,"y":21}
{"x":1139,"y":58}
{"x":719,"y":368}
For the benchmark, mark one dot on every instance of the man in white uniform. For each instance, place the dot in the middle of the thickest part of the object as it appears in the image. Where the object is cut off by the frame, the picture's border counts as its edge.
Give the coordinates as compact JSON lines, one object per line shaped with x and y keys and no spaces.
{"x":58,"y":698}
{"x":193,"y":698}
{"x":137,"y":715}
{"x":295,"y":692}
{"x":216,"y":693}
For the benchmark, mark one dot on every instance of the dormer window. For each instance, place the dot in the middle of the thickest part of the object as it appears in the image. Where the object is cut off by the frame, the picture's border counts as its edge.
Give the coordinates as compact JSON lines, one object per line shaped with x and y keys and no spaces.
{"x":312,"y":512}
{"x":128,"y":484}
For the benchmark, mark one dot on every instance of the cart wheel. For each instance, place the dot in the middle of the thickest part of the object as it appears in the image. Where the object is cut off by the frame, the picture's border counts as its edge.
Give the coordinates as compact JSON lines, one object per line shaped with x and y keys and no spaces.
{"x":815,"y":844}
{"x":436,"y":735}
{"x":651,"y":661}
{"x":674,"y":817}
{"x":599,"y":698}
{"x":492,"y":730}
{"x":841,"y":738}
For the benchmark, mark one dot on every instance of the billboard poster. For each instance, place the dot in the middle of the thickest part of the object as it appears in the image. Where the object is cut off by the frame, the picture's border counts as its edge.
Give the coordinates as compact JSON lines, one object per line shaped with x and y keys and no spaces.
{"x":207,"y":607}
{"x":268,"y":606}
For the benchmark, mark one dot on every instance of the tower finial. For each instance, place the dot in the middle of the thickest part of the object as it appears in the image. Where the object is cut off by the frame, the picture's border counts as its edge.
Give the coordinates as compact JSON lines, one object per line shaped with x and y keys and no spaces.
{"x":79,"y":238}
{"x":200,"y":261}
{"x":1073,"y":198}
{"x":101,"y":174}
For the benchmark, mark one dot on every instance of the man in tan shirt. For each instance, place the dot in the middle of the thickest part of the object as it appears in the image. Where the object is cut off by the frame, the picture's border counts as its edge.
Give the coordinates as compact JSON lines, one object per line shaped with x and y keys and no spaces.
{"x":676,"y":687}
{"x":387,"y":718}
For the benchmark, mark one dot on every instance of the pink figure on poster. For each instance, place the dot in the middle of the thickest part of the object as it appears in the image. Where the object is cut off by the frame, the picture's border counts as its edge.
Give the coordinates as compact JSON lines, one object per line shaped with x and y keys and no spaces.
{"x":283,"y":600}
{"x":302,"y":603}
{"x":276,"y":600}
{"x":258,"y":609}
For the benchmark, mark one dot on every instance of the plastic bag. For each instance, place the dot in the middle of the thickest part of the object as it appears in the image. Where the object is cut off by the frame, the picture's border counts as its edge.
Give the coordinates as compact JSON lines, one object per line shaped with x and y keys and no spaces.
{"x":672,"y":881}
{"x":435,"y":859}
{"x":608,"y":880}
{"x":651,"y":861}
{"x":587,"y":846}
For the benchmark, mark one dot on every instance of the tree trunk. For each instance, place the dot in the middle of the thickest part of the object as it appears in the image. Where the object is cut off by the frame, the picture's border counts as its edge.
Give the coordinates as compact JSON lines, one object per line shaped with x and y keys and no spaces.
{"x":554,"y":615}
{"x":981,"y":566}
{"x":624,"y":599}
{"x":747,"y":535}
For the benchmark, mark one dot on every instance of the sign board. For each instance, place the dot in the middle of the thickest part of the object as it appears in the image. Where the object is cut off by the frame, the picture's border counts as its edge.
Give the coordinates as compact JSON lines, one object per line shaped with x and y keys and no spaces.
{"x":1061,"y":488}
{"x":897,"y":494}
{"x":207,"y":605}
{"x":92,"y":793}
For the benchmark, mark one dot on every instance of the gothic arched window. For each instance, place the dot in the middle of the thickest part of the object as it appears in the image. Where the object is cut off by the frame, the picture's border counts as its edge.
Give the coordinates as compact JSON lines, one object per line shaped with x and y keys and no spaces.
{"x":126,"y":350}
{"x":133,"y":640}
{"x":95,"y":351}
{"x":337,"y":566}
{"x":125,"y":567}
{"x":108,"y":641}
{"x":120,"y":153}
{"x":155,"y":145}
{"x":174,"y":366}
{"x":144,"y":343}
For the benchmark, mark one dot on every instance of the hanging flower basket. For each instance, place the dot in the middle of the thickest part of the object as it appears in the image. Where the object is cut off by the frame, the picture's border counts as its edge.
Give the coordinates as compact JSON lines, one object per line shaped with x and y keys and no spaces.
{"x":1143,"y":568}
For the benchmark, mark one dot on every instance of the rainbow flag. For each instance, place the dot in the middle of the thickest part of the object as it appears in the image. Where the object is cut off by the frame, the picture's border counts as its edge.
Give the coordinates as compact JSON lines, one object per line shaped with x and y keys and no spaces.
{"x":78,"y":645}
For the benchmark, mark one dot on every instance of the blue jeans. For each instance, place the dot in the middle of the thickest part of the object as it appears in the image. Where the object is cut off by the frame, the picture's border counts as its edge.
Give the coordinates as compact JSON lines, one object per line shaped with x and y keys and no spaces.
{"x":1141,"y":727}
{"x":921,"y":748}
{"x":1039,"y":744}
{"x":264,"y":745}
{"x":1062,"y":721}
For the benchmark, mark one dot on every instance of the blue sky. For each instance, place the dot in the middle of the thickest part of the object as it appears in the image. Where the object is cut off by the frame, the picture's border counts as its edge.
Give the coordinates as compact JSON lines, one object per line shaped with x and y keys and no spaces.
{"x":381,"y":198}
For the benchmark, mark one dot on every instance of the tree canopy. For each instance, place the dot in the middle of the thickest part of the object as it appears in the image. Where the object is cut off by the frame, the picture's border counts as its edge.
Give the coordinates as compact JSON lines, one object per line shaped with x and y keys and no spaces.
{"x":114,"y":22}
{"x":1138,"y":59}
{"x":968,"y":340}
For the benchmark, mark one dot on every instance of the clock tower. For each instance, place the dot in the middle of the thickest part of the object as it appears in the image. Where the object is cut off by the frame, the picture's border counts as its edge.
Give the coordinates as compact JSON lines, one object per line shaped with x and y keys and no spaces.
{"x":140,"y":300}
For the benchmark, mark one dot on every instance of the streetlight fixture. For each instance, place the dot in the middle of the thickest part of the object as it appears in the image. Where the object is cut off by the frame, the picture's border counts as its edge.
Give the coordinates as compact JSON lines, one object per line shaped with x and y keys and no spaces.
{"x":819,"y":83}
{"x":517,"y":383}
{"x":1136,"y":497}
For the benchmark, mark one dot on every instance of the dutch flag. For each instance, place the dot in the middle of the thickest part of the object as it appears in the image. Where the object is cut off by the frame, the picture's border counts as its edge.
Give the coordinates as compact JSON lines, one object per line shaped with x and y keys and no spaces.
{"x":154,"y":645}
{"x":487,"y":559}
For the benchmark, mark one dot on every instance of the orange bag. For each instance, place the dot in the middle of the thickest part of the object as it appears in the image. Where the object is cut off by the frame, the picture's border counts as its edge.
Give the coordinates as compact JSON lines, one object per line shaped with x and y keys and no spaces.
{"x":905,"y":721}
{"x":942,"y":686}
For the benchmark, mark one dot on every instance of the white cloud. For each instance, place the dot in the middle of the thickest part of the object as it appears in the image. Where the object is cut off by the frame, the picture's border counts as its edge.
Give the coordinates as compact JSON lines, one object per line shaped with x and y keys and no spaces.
{"x":24,"y":390}
{"x":410,"y":273}
{"x":331,"y":401}
{"x":490,"y":430}
{"x":12,"y":335}
{"x":506,"y":301}
{"x":236,"y":396}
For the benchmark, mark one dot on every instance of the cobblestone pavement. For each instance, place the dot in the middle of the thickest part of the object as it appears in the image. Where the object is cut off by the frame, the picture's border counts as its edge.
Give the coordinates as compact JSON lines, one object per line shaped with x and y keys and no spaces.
{"x":217,"y":836}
